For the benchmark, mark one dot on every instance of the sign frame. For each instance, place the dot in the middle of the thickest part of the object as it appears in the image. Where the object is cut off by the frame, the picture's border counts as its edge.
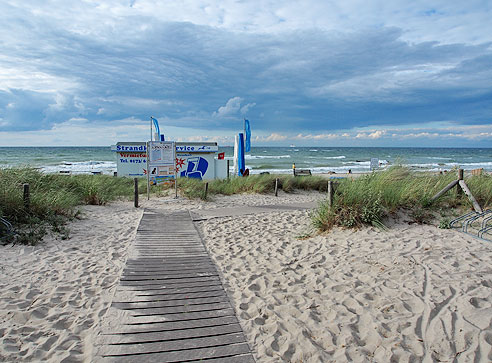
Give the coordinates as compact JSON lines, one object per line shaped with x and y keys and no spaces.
{"x":161,"y":154}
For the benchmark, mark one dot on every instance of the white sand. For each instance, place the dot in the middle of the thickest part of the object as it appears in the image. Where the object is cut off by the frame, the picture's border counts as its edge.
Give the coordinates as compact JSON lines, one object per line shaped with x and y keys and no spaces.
{"x":412,"y":293}
{"x":409,"y":294}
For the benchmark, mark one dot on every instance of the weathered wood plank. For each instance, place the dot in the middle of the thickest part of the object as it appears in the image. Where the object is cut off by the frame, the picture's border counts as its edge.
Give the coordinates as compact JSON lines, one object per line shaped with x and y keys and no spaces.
{"x":169,"y":280}
{"x":170,"y":303}
{"x":180,"y":309}
{"x":170,"y":286}
{"x":171,"y":261}
{"x":192,"y":315}
{"x":171,"y":335}
{"x":145,"y":277}
{"x":167,"y":270}
{"x":185,"y":290}
{"x":227,"y":352}
{"x":169,"y":297}
{"x":173,"y":325}
{"x":181,"y":345}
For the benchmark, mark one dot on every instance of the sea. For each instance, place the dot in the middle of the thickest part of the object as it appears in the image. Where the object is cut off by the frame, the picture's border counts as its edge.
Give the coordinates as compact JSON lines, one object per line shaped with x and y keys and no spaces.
{"x":87,"y":160}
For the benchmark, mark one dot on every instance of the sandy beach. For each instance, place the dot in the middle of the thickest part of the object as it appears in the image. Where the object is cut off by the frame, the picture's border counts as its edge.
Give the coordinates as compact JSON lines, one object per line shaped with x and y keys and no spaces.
{"x":410,"y":293}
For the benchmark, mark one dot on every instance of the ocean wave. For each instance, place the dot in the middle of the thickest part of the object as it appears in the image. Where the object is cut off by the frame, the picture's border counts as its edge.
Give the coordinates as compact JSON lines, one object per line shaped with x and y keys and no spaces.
{"x":254,"y":157}
{"x":327,"y":157}
{"x":82,"y":167}
{"x":356,"y":163}
{"x":315,"y":170}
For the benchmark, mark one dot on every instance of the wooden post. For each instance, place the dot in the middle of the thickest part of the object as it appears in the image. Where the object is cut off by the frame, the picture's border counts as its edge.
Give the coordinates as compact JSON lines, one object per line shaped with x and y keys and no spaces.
{"x":476,"y":206}
{"x":228,"y":161}
{"x":276,"y":187}
{"x":206,"y":190}
{"x":330,"y":193}
{"x":445,"y":189}
{"x":460,"y":177}
{"x":27,"y":197}
{"x":135,"y":198}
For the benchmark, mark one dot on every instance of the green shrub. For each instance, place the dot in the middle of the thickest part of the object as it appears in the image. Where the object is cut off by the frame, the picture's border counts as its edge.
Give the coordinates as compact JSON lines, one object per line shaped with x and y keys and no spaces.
{"x":445,"y":223}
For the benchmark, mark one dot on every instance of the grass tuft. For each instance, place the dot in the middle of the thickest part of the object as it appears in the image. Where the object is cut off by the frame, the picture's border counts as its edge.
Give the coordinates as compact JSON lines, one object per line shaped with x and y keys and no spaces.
{"x":53,"y":200}
{"x":370,"y":199}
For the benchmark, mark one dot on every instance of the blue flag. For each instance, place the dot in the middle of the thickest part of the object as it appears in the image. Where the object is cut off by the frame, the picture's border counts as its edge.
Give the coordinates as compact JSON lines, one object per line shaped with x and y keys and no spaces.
{"x":156,"y":125}
{"x":247,"y":131}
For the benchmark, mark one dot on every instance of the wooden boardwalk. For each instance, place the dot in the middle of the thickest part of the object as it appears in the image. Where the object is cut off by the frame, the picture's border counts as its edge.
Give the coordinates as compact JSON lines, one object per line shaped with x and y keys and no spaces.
{"x":170,"y":305}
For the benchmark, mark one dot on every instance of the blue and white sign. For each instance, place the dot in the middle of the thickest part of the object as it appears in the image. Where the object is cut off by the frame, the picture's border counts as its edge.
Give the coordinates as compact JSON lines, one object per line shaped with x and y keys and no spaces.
{"x":192,"y":160}
{"x":197,"y":148}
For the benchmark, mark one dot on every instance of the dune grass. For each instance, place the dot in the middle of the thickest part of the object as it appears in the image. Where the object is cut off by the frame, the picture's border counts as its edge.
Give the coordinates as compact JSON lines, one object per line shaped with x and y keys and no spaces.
{"x":262,"y":184}
{"x":53,"y":200}
{"x":368,"y":200}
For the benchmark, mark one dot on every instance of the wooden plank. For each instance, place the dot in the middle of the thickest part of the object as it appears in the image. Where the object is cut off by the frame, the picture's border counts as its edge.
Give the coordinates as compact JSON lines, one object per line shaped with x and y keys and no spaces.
{"x":228,"y":352}
{"x":170,"y":303}
{"x":171,"y":345}
{"x":169,"y":261}
{"x":166,"y":269}
{"x":171,"y":335}
{"x":167,"y":266}
{"x":174,"y":325}
{"x":182,"y":275}
{"x":172,"y":297}
{"x":243,"y":358}
{"x":179,"y":290}
{"x":169,"y":281}
{"x":170,"y":286}
{"x":180,"y":309}
{"x":192,"y":315}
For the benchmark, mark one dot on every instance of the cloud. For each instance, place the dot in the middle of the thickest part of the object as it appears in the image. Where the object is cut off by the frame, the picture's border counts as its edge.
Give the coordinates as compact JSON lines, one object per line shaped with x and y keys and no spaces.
{"x":231,"y":107}
{"x":312,"y":68}
{"x":372,"y":135}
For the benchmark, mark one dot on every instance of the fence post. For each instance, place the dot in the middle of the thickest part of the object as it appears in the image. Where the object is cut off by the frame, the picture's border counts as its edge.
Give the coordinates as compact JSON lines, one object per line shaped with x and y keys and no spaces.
{"x":228,"y":161}
{"x":330,"y":193}
{"x":459,"y":192}
{"x":135,"y":198}
{"x":27,"y":197}
{"x":276,"y":187}
{"x":206,"y":190}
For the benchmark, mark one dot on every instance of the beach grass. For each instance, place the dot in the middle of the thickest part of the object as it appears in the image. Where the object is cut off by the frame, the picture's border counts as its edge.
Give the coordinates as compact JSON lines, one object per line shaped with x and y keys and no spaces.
{"x":262,"y":184}
{"x":53,"y":200}
{"x":370,"y":199}
{"x":366,"y":200}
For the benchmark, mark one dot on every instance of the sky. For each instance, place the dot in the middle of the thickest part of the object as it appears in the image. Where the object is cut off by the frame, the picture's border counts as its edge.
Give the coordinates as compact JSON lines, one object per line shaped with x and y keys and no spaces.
{"x":311,"y":72}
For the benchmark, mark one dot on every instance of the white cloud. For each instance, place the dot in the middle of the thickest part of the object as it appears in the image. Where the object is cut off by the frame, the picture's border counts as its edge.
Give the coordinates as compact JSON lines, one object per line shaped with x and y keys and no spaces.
{"x":232,"y":108}
{"x":372,"y":135}
{"x":247,"y":107}
{"x":317,"y":67}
